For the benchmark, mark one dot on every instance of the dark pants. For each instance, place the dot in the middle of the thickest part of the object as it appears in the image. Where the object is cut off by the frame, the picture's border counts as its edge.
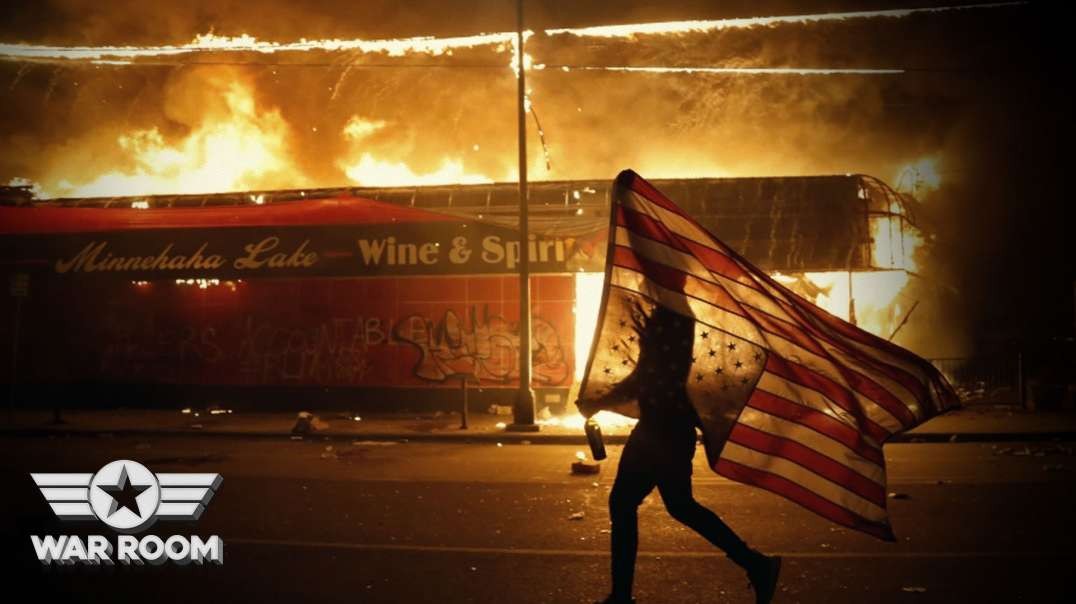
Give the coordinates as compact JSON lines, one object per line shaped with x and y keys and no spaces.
{"x":660,"y":458}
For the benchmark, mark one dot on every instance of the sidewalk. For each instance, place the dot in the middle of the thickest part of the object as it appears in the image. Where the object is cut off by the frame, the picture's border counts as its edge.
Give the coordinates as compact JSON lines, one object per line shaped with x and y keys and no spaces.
{"x":970,"y":424}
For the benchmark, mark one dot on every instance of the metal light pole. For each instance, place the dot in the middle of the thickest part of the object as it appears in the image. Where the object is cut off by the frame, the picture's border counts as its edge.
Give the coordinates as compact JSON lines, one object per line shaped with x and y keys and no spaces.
{"x":523,"y":410}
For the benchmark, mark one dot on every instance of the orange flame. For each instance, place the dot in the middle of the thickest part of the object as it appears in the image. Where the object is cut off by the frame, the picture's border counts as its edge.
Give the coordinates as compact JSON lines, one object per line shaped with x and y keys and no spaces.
{"x":235,"y":146}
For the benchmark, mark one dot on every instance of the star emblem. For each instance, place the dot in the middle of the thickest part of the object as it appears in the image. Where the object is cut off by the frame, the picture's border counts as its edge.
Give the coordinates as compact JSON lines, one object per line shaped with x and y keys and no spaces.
{"x":739,"y":364}
{"x":732,"y":345}
{"x":705,"y":335}
{"x":124,"y":494}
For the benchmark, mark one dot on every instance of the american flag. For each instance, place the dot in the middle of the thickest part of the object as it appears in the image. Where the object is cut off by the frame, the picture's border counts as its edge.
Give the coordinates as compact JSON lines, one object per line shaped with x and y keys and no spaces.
{"x":790,"y":398}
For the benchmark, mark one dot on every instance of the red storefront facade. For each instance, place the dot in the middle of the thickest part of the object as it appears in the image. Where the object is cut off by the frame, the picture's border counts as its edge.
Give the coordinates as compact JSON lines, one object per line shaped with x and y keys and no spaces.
{"x":344,"y":302}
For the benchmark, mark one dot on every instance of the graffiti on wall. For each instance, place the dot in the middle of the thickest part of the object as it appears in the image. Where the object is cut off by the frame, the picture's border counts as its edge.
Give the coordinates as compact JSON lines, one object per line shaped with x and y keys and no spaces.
{"x":332,"y":352}
{"x":279,"y":332}
{"x":256,"y":350}
{"x":487,"y":347}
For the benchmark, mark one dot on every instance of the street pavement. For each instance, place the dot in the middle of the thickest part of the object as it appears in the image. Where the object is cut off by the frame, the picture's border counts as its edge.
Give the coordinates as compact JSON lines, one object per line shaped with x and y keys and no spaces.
{"x":329,"y":520}
{"x":981,"y":423}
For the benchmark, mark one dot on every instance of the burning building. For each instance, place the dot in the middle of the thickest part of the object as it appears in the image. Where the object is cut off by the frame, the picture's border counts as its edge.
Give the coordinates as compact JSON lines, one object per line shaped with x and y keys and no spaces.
{"x":374,"y":298}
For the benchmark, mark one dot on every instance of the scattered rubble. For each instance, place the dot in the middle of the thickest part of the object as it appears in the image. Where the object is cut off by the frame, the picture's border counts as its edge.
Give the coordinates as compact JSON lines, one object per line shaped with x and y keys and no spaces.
{"x":586,"y":467}
{"x":1033,"y":451}
{"x":577,"y":516}
{"x":307,"y":423}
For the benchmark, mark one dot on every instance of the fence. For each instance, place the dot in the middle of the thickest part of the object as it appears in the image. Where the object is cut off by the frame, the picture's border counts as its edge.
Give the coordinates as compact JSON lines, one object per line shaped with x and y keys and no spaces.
{"x":985,"y":380}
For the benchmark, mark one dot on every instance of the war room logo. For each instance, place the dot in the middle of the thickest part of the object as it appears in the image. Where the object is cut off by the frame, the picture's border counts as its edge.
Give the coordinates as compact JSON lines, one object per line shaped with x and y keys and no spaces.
{"x":129,"y":499}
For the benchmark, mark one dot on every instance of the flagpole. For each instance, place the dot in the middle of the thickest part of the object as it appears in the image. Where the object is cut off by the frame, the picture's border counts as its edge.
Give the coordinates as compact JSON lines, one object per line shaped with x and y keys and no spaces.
{"x":523,"y":410}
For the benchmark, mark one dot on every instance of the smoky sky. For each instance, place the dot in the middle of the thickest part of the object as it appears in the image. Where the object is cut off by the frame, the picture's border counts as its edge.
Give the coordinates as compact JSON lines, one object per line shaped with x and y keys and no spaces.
{"x":984,"y":92}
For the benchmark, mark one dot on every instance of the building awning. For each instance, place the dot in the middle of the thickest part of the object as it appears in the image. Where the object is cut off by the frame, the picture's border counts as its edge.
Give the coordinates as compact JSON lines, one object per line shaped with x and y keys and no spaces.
{"x":328,"y":237}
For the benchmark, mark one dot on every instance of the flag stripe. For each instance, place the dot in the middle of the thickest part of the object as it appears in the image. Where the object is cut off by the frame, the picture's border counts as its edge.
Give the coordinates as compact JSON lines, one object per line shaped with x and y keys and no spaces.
{"x":909,"y":386}
{"x":672,"y":278}
{"x":790,"y":470}
{"x":689,"y":306}
{"x":832,"y":391}
{"x":660,"y":251}
{"x":722,"y":261}
{"x":812,"y":399}
{"x":660,"y":231}
{"x":896,"y":398}
{"x":785,"y":330}
{"x":637,"y":222}
{"x":755,"y":417}
{"x":908,"y":375}
{"x":914,"y":372}
{"x":880,"y":405}
{"x":811,"y":425}
{"x":903,"y":389}
{"x":840,"y":473}
{"x":675,"y":221}
{"x":648,"y":192}
{"x":636,"y":280}
{"x":803,"y":496}
{"x":820,"y":422}
{"x":870,"y":388}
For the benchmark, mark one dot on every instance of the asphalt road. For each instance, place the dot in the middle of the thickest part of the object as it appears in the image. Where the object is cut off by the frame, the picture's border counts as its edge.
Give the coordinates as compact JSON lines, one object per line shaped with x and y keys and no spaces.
{"x":377,"y":522}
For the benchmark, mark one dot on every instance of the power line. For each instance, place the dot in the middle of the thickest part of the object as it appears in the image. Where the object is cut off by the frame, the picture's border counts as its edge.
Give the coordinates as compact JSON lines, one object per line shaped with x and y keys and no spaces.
{"x":547,"y":68}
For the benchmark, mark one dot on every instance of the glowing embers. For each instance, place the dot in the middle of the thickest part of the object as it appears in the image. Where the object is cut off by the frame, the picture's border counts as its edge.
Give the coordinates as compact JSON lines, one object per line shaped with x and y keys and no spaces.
{"x":204,"y":283}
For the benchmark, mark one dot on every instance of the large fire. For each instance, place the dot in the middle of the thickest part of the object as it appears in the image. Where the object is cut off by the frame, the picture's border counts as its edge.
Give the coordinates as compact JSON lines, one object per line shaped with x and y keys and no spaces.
{"x":233,"y":145}
{"x":236,"y":139}
{"x":363,"y":168}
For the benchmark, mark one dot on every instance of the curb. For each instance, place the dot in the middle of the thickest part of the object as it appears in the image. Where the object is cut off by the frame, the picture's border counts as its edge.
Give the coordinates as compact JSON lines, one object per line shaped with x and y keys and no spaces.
{"x":536,"y":438}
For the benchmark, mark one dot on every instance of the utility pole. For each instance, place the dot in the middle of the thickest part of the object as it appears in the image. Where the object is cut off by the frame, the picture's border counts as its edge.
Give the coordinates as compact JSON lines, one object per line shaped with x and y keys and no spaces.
{"x":523,"y":410}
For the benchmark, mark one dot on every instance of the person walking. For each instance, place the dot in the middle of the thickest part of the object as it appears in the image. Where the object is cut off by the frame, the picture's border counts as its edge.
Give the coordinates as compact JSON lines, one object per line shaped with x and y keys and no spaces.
{"x":659,"y":454}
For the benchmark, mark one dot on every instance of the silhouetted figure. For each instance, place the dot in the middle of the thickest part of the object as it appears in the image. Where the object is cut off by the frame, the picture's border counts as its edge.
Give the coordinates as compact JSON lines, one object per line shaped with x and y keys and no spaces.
{"x":659,"y":453}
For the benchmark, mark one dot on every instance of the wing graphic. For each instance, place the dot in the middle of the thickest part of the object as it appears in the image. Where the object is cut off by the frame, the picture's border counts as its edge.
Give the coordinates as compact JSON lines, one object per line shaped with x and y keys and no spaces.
{"x":68,"y":494}
{"x":184,"y":496}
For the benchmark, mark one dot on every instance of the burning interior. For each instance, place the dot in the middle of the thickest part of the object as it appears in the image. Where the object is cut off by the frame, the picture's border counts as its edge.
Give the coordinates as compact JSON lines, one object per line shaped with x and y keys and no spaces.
{"x":391,"y":294}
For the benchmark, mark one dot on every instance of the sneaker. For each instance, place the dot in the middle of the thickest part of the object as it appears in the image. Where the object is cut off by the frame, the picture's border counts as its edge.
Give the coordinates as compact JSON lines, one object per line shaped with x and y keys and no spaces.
{"x":763,"y":577}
